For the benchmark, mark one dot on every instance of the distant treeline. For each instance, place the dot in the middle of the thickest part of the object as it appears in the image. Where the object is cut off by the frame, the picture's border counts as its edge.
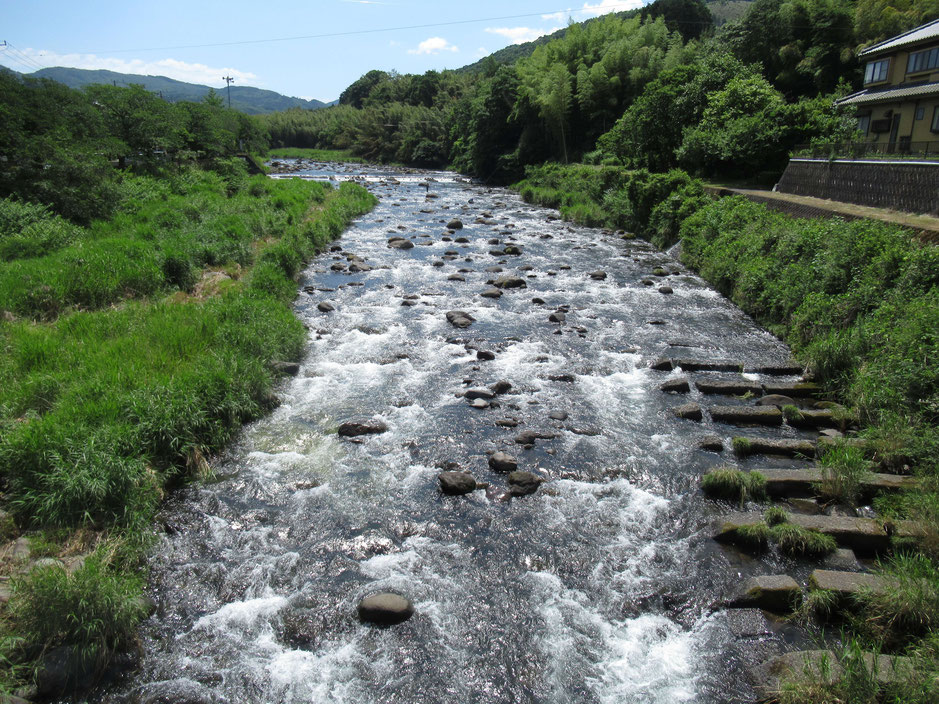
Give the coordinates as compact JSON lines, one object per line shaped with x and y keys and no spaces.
{"x":658,"y":89}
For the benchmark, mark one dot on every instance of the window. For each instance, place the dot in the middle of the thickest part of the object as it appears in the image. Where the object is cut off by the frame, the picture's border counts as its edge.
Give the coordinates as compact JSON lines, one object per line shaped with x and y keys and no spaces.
{"x":920,"y":112}
{"x":876,"y":71}
{"x":923,"y":60}
{"x":935,"y":119}
{"x":864,"y":123}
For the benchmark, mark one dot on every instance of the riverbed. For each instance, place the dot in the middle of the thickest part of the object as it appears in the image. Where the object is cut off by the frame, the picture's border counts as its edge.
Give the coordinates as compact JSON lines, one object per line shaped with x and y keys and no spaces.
{"x":599,"y":587}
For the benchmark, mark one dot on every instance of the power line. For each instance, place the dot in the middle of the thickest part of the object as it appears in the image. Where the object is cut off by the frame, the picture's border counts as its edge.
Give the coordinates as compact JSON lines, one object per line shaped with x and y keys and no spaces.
{"x":20,"y":57}
{"x":349,"y":33}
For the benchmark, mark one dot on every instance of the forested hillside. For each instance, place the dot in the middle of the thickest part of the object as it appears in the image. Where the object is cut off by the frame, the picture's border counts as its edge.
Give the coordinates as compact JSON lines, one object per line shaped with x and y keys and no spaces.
{"x":658,"y":88}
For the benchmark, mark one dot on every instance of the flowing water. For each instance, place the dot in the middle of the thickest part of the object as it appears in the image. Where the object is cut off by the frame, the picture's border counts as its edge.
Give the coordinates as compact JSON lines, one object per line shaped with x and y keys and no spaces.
{"x":597,"y":588}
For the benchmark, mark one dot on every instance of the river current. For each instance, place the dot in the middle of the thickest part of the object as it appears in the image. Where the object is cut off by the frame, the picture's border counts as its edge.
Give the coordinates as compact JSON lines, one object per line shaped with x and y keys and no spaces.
{"x":597,"y":588}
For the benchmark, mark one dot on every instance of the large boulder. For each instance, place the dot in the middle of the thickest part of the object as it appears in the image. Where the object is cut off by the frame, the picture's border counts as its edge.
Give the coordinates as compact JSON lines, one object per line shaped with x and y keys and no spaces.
{"x":456,"y":483}
{"x":455,"y":224}
{"x":385,"y":609}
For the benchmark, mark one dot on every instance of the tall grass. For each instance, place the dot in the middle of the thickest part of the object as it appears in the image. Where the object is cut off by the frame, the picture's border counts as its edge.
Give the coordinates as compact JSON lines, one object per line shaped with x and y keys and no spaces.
{"x":111,"y":391}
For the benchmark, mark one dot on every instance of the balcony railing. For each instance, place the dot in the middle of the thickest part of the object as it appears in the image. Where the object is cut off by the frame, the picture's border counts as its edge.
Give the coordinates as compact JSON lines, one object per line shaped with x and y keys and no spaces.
{"x":901,"y":149}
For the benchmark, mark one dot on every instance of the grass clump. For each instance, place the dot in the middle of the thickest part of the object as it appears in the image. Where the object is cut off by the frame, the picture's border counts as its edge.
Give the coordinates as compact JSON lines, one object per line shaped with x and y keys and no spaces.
{"x":755,"y":536}
{"x":733,"y":485}
{"x":94,"y":610}
{"x":796,"y":541}
{"x":844,"y":468}
{"x":908,"y":605}
{"x":741,"y":446}
{"x":775,"y":516}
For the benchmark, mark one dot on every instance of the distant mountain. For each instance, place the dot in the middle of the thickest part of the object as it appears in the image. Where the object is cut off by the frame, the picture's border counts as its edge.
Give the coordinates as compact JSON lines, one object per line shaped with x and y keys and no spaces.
{"x":253,"y":101}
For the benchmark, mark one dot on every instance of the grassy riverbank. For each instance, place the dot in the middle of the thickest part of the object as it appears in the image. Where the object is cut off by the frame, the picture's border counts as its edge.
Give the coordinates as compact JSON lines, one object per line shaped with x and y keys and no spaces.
{"x":338,"y":155}
{"x":858,"y":302}
{"x":133,"y":349}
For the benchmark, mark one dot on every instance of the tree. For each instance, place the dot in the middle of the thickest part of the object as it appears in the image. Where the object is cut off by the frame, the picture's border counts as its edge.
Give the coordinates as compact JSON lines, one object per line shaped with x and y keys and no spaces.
{"x":691,"y":18}
{"x":356,"y":93}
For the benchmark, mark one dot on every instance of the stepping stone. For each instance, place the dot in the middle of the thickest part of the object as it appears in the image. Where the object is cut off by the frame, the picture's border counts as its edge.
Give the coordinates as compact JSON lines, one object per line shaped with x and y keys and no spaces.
{"x":802,"y":482}
{"x":491,"y":293}
{"x":822,"y":666}
{"x":777,"y":593}
{"x":848,"y":584}
{"x":778,"y":370}
{"x":865,"y":536}
{"x":676,"y":386}
{"x":776,"y":400}
{"x":799,"y":389}
{"x":728,"y":388}
{"x":746,"y":415}
{"x":711,"y":443}
{"x":689,"y":411}
{"x":807,"y":418}
{"x":690,"y":365}
{"x":479,"y":392}
{"x":747,"y":446}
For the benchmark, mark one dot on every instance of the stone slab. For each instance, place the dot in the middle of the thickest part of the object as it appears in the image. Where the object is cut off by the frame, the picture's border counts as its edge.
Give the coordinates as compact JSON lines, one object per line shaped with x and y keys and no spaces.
{"x":777,"y":593}
{"x":728,"y":388}
{"x":799,"y":389}
{"x":782,"y":447}
{"x":824,"y":665}
{"x":802,"y":482}
{"x":865,"y":536}
{"x":847,"y":584}
{"x":746,"y":415}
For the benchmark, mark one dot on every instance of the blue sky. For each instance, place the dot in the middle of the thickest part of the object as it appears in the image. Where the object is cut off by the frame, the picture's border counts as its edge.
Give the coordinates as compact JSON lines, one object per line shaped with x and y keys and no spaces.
{"x":311,"y":49}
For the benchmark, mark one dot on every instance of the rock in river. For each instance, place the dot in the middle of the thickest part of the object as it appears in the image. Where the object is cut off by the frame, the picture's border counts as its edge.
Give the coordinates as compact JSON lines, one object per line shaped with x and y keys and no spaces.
{"x":510,"y":282}
{"x":385,"y":609}
{"x":355,"y":428}
{"x":455,"y":225}
{"x":523,"y":483}
{"x":460,"y":319}
{"x":400,"y":243}
{"x":502,"y":462}
{"x":456,"y":483}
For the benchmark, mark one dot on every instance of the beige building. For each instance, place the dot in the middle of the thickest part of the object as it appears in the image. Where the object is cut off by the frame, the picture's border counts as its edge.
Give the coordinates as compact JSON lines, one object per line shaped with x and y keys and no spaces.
{"x":898,"y":108}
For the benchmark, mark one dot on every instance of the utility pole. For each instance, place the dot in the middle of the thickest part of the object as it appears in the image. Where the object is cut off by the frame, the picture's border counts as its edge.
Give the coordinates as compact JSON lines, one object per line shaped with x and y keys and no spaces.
{"x":228,"y":81}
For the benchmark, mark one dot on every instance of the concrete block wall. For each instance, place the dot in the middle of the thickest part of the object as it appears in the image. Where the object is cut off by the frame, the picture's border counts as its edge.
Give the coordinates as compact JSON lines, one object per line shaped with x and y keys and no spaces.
{"x":908,"y":187}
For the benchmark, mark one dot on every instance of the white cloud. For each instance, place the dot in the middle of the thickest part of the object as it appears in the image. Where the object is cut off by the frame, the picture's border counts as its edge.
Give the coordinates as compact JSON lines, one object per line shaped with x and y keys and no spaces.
{"x":520,"y":35}
{"x":171,"y":68}
{"x":605,"y":7}
{"x":557,"y":16}
{"x":433,"y":45}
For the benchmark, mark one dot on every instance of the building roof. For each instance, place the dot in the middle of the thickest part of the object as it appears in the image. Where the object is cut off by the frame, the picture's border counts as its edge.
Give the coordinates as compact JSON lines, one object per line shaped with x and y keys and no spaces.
{"x":883,"y":95}
{"x":930,"y":30}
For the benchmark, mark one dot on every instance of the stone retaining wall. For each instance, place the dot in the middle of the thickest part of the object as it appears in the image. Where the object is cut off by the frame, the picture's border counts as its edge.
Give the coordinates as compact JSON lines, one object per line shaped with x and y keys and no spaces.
{"x":909,"y":187}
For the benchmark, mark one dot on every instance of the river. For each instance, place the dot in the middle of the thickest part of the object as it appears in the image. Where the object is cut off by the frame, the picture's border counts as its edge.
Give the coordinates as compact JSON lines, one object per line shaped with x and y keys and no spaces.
{"x":597,"y":588}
